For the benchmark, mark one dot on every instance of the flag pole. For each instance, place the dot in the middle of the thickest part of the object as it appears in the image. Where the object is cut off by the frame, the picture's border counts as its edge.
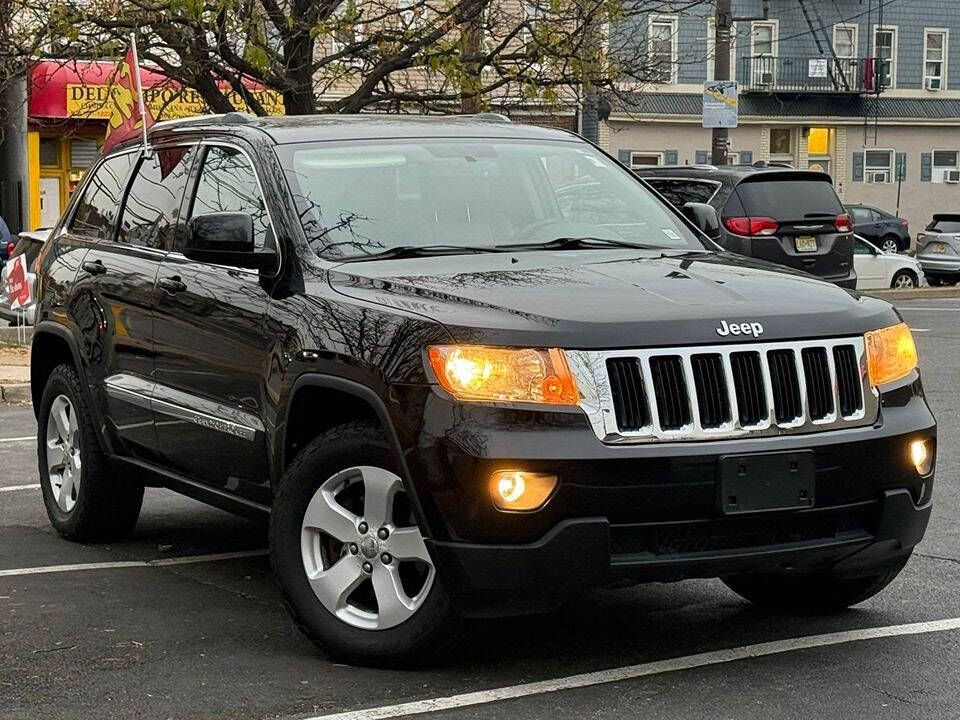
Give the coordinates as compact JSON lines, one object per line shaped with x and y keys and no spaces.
{"x":136,"y":77}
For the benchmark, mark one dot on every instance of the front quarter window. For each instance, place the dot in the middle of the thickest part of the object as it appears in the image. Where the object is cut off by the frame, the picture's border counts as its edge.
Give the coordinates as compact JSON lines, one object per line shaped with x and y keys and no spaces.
{"x":364,"y":198}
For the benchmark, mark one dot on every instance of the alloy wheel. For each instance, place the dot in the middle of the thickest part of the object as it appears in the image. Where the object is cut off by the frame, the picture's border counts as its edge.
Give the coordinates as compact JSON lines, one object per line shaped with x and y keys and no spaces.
{"x":63,"y":453}
{"x":362,"y":551}
{"x":904,"y":281}
{"x":890,"y":246}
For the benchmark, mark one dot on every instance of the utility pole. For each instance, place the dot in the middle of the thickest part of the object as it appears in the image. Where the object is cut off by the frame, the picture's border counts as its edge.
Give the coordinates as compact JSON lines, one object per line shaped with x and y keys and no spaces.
{"x":721,"y":71}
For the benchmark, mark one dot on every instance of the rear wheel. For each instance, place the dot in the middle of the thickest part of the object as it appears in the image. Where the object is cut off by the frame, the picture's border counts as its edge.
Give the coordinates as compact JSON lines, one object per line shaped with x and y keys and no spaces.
{"x":811,"y":593}
{"x":349,"y":556}
{"x":85,"y":500}
{"x":890,"y":244}
{"x":903,"y":280}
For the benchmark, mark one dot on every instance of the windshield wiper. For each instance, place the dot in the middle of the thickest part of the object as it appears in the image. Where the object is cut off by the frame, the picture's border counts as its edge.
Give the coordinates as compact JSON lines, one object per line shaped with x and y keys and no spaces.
{"x":413,"y":251}
{"x":578,"y":243}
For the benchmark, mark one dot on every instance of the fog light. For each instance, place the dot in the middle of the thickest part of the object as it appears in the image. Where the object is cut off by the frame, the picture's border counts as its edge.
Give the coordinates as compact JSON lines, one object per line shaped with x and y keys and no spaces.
{"x":517,"y":490}
{"x":921,"y":456}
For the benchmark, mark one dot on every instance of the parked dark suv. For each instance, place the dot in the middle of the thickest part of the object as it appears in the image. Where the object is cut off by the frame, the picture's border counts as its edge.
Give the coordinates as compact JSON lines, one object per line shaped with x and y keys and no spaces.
{"x":888,"y":232}
{"x":789,"y":217}
{"x":467,"y":368}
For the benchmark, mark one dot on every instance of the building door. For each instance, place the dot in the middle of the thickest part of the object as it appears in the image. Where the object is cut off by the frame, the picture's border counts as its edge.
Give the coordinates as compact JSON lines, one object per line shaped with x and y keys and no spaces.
{"x":50,"y":191}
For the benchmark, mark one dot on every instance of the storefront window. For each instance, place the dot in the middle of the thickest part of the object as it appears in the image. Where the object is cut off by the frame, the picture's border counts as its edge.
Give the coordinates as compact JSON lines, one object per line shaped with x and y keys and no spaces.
{"x":50,"y":151}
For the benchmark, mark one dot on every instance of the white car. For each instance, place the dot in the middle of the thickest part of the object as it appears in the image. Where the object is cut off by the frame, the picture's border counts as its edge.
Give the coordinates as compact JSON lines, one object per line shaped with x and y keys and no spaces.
{"x":877,"y":269}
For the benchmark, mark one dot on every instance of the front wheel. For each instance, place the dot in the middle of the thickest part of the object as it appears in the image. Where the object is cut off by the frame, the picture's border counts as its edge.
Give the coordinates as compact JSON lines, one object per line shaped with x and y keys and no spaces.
{"x":817,"y":593}
{"x":349,"y":555}
{"x":904,"y":280}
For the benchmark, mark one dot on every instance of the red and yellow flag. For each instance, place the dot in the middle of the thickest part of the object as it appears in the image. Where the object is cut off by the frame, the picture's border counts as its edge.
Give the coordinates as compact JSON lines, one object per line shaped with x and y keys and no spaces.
{"x":128,"y":115}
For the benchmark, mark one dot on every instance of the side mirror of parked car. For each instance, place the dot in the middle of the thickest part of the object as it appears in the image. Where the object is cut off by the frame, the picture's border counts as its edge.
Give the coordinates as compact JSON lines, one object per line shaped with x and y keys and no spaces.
{"x":226,"y":238}
{"x":705,"y":217}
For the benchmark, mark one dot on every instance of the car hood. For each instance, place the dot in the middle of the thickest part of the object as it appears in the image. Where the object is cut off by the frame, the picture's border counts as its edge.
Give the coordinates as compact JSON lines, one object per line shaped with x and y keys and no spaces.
{"x":609,"y":298}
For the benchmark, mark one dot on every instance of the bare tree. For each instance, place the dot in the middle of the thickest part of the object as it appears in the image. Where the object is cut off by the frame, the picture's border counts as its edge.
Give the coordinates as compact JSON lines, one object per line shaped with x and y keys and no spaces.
{"x":348,"y":56}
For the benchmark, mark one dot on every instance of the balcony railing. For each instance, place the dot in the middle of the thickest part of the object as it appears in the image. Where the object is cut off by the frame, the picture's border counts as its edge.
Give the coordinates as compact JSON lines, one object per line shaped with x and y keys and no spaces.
{"x":812,"y":74}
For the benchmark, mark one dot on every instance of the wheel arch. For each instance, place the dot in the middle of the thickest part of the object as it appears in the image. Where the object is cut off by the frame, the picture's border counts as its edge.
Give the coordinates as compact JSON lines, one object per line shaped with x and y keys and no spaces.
{"x":356,"y":401}
{"x":52,"y":345}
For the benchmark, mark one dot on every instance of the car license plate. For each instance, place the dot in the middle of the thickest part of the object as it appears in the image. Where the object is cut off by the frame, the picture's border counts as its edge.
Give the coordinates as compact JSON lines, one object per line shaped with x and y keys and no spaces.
{"x":766,"y":481}
{"x":938,"y":247}
{"x":806,"y":243}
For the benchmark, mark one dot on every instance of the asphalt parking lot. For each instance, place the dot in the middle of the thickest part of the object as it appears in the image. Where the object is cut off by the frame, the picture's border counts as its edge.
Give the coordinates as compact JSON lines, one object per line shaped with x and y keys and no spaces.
{"x":183,"y":621}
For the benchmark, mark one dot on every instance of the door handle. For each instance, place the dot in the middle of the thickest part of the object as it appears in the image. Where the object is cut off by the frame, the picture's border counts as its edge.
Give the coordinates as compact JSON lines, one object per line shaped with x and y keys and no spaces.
{"x":93,"y":267}
{"x":172,"y":285}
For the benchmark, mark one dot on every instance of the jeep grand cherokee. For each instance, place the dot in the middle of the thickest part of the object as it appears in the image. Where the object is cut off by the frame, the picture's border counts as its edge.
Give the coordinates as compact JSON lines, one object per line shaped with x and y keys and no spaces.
{"x":461,"y":380}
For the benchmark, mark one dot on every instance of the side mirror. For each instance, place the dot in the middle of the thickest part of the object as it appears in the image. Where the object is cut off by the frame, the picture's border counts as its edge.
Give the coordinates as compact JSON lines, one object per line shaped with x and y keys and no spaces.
{"x":705,"y":217}
{"x":226,"y":238}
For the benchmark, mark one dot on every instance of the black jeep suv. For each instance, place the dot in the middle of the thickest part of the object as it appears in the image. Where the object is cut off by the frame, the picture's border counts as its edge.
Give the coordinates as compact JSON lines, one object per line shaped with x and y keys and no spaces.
{"x":468,"y":368}
{"x":789,"y":217}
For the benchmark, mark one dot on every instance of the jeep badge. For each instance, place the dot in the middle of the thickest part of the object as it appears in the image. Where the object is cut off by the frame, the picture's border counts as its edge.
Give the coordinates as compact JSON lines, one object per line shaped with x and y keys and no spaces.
{"x":755,"y":329}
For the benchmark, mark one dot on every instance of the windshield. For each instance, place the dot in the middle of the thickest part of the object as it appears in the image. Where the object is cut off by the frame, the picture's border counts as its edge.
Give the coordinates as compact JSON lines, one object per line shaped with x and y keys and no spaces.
{"x":365,"y":198}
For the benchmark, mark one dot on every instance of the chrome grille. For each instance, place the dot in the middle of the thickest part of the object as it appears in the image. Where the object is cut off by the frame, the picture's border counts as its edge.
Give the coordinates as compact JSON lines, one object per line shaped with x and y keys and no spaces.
{"x":722,"y":391}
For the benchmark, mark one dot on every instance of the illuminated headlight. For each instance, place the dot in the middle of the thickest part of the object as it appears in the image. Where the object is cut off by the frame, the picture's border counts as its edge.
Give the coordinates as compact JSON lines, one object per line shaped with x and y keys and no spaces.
{"x":493,"y":374}
{"x":891,"y":354}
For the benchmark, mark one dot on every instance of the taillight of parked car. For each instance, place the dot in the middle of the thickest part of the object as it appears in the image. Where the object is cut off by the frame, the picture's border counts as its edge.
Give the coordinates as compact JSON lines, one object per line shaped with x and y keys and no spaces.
{"x":904,"y":224}
{"x":751,"y":225}
{"x":843,"y":223}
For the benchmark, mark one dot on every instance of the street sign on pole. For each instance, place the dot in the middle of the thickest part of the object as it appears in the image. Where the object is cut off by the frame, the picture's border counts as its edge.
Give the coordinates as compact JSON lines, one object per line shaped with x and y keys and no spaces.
{"x":720,"y":104}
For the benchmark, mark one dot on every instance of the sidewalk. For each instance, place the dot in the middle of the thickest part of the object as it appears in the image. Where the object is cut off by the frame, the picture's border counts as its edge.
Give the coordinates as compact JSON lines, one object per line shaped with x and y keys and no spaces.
{"x":14,"y":374}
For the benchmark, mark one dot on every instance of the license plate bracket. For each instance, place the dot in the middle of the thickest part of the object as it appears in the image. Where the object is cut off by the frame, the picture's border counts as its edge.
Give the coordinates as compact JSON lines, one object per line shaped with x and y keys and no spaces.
{"x":766,"y":481}
{"x":805,"y":243}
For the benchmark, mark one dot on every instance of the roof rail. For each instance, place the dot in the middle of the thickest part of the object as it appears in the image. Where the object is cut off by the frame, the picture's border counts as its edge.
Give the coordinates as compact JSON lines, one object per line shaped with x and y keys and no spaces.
{"x":226,"y":118}
{"x":483,"y":116}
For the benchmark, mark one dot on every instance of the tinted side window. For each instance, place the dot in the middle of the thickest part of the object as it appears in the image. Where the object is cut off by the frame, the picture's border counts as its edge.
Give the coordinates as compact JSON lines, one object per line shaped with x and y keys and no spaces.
{"x":861,"y":248}
{"x":97,"y":209}
{"x":227,"y":183}
{"x":789,"y":199}
{"x":679,"y":192}
{"x":945,"y":226}
{"x":153,"y":202}
{"x":861,"y":215}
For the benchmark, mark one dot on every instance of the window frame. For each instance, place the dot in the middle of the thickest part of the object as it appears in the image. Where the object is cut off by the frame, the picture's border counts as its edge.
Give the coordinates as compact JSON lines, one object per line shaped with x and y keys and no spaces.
{"x":855,"y":40}
{"x":890,"y":169}
{"x":774,"y":26}
{"x":191,"y":194}
{"x":944,"y":57}
{"x":940,"y":177}
{"x":791,"y":153}
{"x":658,"y":153}
{"x":673,"y":22}
{"x":894,"y":31}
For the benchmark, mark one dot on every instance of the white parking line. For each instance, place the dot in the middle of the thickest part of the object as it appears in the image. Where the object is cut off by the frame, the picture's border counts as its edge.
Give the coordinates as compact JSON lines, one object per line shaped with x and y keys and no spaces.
{"x":18,"y":439}
{"x":935,"y":309}
{"x":122,"y":564}
{"x":11,"y":488}
{"x":631,"y":672}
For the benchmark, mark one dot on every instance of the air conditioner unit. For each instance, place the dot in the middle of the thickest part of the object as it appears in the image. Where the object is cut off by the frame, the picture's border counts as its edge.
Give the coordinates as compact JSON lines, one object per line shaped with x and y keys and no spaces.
{"x":933,"y":84}
{"x":765,"y":78}
{"x":952,"y":176}
{"x":876,"y":177}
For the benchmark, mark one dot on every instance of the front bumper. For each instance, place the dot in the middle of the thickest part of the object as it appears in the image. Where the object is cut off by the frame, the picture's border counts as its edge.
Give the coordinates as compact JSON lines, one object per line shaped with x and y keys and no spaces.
{"x":649,"y":512}
{"x":854,"y":540}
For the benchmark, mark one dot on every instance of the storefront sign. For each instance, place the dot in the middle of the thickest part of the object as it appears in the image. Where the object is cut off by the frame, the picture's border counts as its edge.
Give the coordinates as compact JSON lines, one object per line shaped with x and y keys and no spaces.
{"x":80,"y":90}
{"x":165,"y":103}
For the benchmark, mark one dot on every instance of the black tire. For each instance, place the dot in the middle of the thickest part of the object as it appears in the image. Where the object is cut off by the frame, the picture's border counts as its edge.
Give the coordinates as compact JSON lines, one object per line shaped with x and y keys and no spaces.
{"x":809,"y":594}
{"x":107,"y":506}
{"x":890,"y":239}
{"x":914,"y":280}
{"x":428,"y":634}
